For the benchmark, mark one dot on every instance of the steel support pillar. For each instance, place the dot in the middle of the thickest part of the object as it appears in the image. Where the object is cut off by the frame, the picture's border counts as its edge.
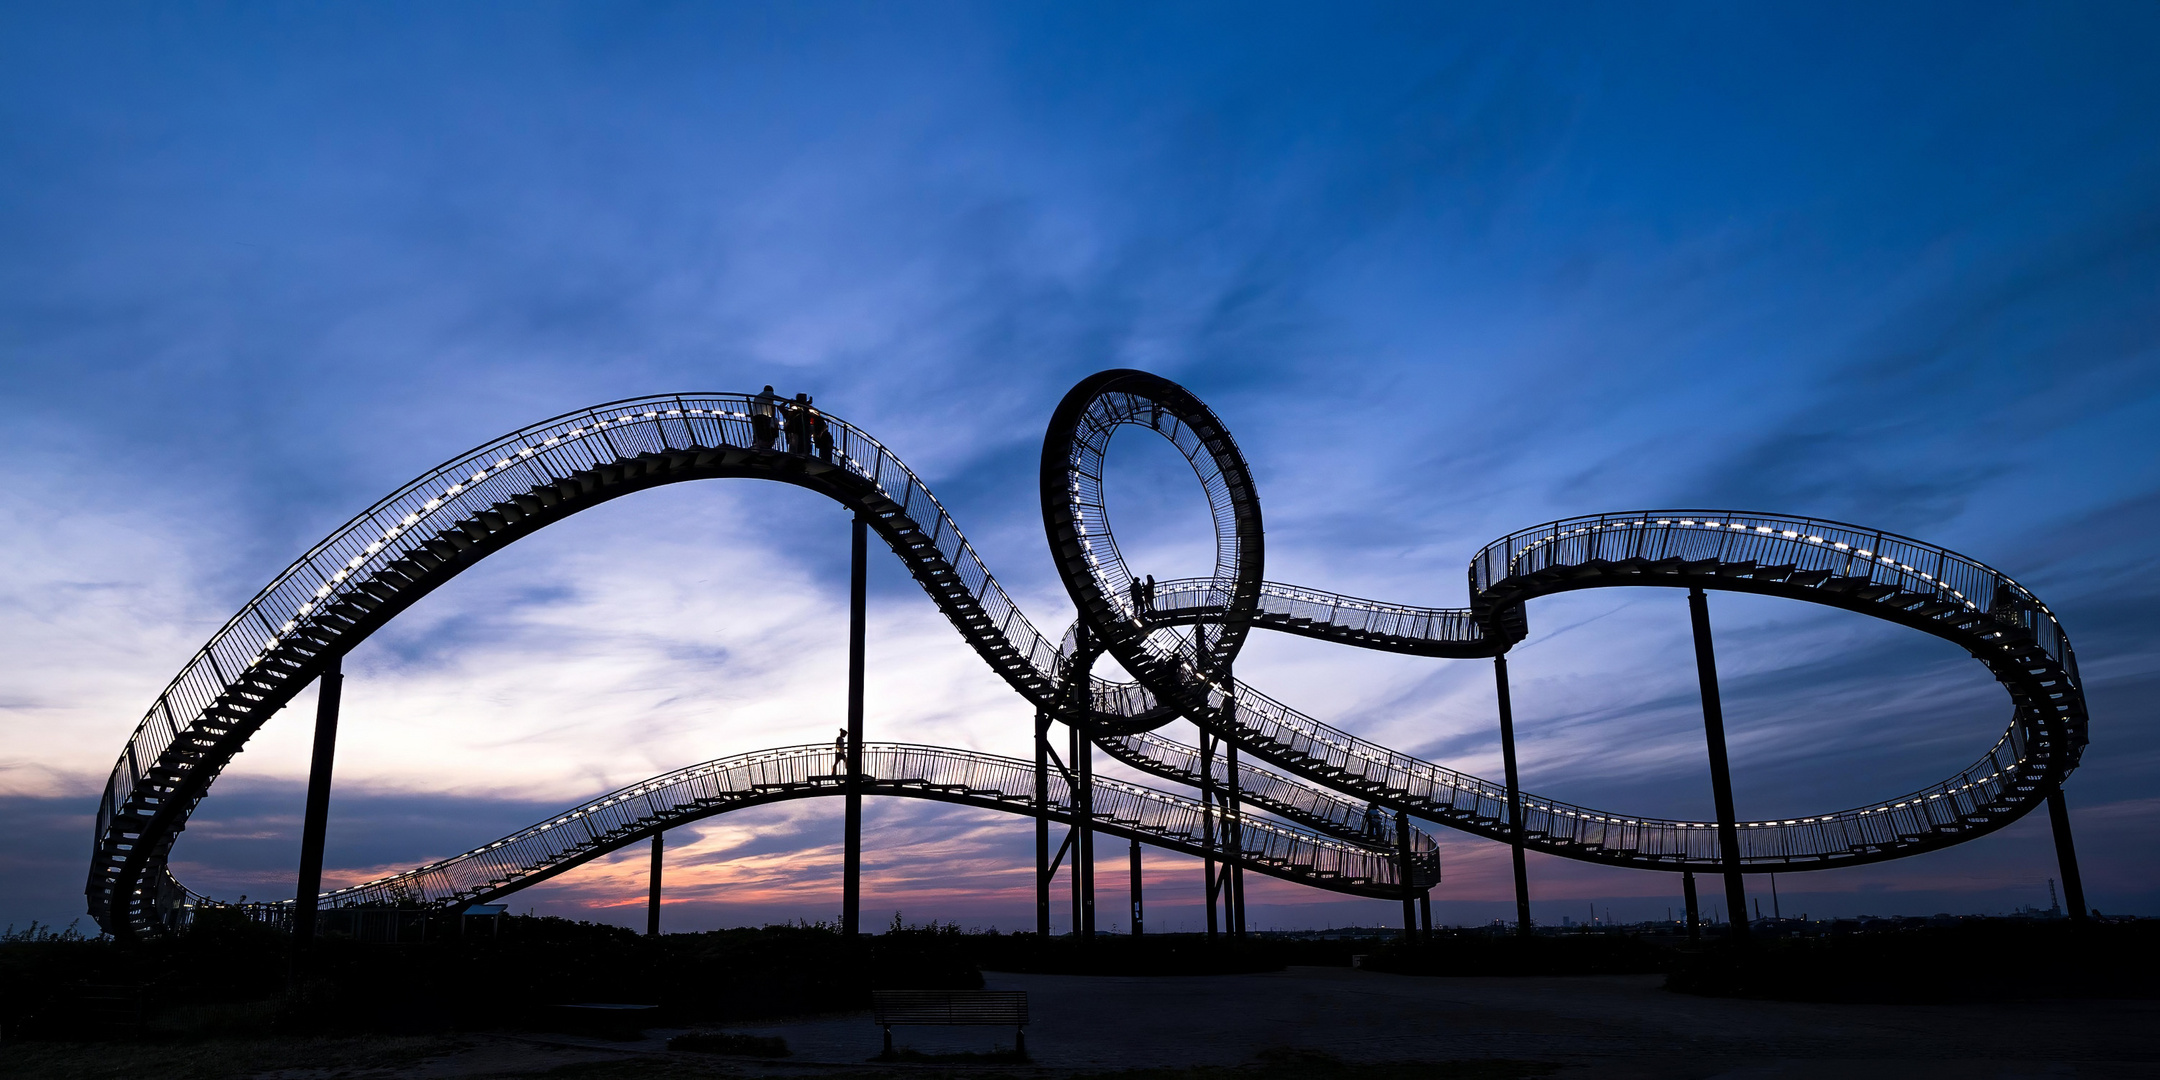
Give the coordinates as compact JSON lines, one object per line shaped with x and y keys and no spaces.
{"x":1720,"y":773}
{"x":2066,"y":858}
{"x":1424,"y":913}
{"x":1694,"y":916}
{"x":1207,"y":826}
{"x":1072,"y":873}
{"x":1139,"y":922}
{"x":1514,"y":796}
{"x":314,"y":824}
{"x":1083,"y":766}
{"x":1042,"y":825}
{"x":652,"y":902}
{"x":1409,"y":900}
{"x":1233,"y":841}
{"x":858,"y":617}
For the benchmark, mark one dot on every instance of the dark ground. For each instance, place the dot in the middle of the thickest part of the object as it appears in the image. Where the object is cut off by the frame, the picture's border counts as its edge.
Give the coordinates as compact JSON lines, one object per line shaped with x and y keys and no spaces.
{"x":1979,"y":1000}
{"x":1298,"y":1024}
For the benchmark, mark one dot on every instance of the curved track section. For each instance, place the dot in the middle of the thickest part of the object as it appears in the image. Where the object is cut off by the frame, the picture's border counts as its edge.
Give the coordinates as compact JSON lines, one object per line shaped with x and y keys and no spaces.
{"x":1180,"y":648}
{"x":620,"y":818}
{"x":427,"y":532}
{"x":1880,"y":574}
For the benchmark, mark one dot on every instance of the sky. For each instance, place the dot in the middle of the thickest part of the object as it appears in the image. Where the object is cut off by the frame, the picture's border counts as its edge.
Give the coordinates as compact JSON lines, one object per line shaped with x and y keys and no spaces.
{"x":1446,"y":272}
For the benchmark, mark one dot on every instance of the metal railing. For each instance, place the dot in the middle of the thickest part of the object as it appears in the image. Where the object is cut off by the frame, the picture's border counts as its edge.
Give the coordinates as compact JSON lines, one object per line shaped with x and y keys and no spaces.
{"x":262,"y":655}
{"x":632,"y":813}
{"x":1284,"y":606}
{"x":318,"y":605}
{"x":1303,"y":803}
{"x":1807,"y":544}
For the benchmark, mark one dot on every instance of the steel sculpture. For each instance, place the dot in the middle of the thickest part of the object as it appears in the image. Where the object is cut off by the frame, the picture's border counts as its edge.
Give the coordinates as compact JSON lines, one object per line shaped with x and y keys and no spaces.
{"x":1318,"y":790}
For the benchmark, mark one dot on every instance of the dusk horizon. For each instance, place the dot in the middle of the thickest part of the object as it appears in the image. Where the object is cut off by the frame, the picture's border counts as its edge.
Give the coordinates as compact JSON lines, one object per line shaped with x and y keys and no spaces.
{"x":1443,"y":278}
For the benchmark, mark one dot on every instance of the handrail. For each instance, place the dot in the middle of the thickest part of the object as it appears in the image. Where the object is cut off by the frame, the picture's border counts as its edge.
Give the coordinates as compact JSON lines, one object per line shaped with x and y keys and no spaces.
{"x":630,"y":813}
{"x":1809,"y":543}
{"x":428,"y":530}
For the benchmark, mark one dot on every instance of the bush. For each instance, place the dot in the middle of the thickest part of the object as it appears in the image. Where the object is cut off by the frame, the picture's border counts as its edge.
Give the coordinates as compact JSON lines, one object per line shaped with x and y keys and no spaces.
{"x":1121,"y":954}
{"x":227,"y":975}
{"x":1484,"y":953}
{"x":1990,"y":960}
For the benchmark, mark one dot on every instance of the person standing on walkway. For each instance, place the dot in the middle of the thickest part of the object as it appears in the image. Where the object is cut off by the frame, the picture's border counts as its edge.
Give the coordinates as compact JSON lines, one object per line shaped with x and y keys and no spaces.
{"x":798,"y":425}
{"x":820,"y":434}
{"x":839,"y":753}
{"x":1139,"y":598}
{"x":762,"y":425}
{"x":1148,"y":594}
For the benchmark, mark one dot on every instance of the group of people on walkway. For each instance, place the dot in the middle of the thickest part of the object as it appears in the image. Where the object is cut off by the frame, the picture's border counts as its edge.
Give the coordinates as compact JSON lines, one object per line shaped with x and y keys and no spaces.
{"x":1143,"y":595}
{"x":772,"y":416}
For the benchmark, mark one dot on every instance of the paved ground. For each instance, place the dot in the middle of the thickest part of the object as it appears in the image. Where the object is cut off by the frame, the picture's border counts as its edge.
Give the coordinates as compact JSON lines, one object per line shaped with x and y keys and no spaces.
{"x":1600,"y":1026}
{"x":1588,"y":1028}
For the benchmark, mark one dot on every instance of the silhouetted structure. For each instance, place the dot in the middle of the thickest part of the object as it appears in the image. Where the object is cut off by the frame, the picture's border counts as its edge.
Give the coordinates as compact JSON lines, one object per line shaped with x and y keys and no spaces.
{"x":1280,"y":793}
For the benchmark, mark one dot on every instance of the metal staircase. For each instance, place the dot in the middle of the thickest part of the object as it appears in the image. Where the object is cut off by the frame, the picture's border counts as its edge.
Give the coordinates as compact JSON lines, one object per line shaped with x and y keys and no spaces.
{"x":1179,"y":648}
{"x":632,"y":814}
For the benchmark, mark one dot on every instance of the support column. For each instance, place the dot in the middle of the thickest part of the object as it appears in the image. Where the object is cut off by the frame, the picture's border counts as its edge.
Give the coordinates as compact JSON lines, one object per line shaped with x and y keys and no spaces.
{"x":652,"y":903}
{"x":1138,"y":923}
{"x":329,"y":692}
{"x":1424,"y":914}
{"x":2066,"y":858}
{"x":1720,"y":774}
{"x":1207,"y":825}
{"x":1402,"y":855}
{"x":858,"y":617}
{"x":1514,"y":796}
{"x":1234,"y":842}
{"x":1042,"y":825}
{"x":1694,"y":918}
{"x":1083,"y":765}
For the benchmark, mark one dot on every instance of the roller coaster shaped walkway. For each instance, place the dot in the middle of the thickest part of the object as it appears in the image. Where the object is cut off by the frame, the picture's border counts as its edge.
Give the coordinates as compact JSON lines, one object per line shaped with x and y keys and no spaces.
{"x":1319,"y":786}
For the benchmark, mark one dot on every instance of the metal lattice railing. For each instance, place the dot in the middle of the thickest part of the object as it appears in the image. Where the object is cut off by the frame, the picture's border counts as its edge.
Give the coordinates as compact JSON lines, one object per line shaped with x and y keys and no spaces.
{"x":319,"y":606}
{"x":632,"y":813}
{"x":1806,"y":544}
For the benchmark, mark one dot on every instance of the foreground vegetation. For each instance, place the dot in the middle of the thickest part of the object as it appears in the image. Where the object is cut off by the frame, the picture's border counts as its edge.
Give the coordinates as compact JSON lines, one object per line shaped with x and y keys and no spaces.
{"x":229,"y":978}
{"x":225,"y":1058}
{"x":1965,"y":960}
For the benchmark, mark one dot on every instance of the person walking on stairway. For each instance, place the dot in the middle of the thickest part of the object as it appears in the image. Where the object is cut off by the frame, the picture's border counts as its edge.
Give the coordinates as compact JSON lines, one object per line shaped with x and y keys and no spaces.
{"x":798,"y":425}
{"x":762,"y":426}
{"x":820,"y":433}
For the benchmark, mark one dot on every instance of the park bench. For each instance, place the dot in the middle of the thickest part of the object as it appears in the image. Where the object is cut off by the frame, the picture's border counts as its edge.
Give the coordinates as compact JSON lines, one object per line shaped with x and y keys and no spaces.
{"x":952,"y":1008}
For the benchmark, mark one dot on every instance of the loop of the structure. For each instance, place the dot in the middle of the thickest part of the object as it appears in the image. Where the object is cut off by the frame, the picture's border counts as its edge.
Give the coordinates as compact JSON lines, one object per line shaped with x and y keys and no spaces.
{"x":1179,"y":661}
{"x":1880,"y":574}
{"x":1180,"y":647}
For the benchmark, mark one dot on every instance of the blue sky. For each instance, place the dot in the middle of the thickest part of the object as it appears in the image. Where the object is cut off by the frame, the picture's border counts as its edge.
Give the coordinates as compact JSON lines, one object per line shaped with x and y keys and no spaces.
{"x":1446,"y":273}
